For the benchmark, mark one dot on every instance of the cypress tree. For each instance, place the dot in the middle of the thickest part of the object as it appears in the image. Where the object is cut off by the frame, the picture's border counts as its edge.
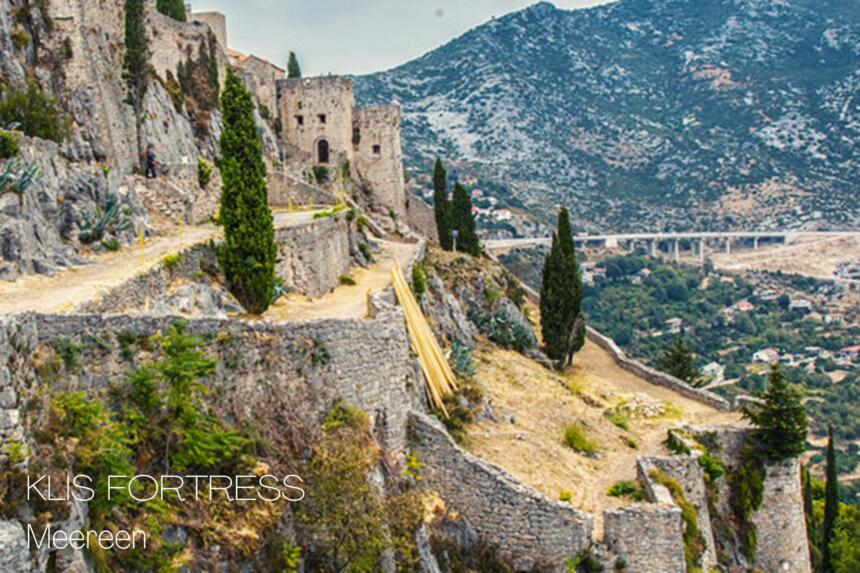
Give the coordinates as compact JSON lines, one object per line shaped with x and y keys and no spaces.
{"x":809,"y":513}
{"x":248,"y":253}
{"x":781,"y":420}
{"x":442,"y":208}
{"x":678,"y":361}
{"x":294,"y":70}
{"x":464,"y":222}
{"x":562,"y":322}
{"x":575,"y":321}
{"x":552,"y":303}
{"x":831,"y":506}
{"x":173,"y":8}
{"x":136,"y":64}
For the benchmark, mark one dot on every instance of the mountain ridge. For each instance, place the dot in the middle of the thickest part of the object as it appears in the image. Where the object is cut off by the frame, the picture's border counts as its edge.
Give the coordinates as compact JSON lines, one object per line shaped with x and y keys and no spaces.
{"x":641,"y":114}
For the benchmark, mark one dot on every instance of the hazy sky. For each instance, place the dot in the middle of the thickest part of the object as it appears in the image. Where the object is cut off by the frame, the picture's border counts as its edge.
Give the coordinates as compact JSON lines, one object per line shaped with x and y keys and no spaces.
{"x":355,"y":36}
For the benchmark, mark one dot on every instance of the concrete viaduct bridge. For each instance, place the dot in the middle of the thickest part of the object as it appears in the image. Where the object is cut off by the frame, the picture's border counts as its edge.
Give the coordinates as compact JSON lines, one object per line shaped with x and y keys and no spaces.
{"x":674,"y":242}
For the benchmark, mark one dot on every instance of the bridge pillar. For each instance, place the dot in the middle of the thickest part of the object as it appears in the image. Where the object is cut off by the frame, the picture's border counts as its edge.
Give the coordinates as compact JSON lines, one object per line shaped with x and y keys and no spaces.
{"x":652,"y":247}
{"x":701,"y":250}
{"x":755,"y":243}
{"x":728,"y":245}
{"x":676,"y":250}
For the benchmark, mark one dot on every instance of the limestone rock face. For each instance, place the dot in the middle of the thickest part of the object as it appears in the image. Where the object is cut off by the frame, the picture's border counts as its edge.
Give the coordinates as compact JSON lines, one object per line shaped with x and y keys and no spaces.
{"x":13,"y":547}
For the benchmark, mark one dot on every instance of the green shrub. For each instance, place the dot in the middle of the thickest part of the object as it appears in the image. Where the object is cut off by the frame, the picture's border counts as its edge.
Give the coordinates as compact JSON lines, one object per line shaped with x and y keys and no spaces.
{"x":204,"y":173}
{"x":618,"y":418}
{"x":36,"y":113}
{"x":280,"y":290}
{"x":419,"y":281}
{"x":565,"y":496}
{"x":712,"y":466}
{"x":20,"y":38}
{"x":343,"y":414}
{"x":171,"y":262}
{"x":461,"y":360}
{"x":575,"y":439}
{"x":622,"y":488}
{"x":68,"y":351}
{"x":503,"y":330}
{"x":320,"y":173}
{"x":16,"y":451}
{"x":365,"y":251}
{"x":746,"y":492}
{"x":112,"y":245}
{"x":110,"y":217}
{"x":173,"y":8}
{"x":9,"y":146}
{"x":346,"y":280}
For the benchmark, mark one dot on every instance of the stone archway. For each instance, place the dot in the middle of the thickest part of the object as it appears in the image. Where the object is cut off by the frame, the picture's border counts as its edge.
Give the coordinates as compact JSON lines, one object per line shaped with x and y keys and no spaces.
{"x":322,"y":151}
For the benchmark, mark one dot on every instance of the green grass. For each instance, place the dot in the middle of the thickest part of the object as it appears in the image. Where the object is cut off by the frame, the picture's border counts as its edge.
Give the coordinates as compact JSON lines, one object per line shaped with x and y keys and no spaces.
{"x":576,"y":440}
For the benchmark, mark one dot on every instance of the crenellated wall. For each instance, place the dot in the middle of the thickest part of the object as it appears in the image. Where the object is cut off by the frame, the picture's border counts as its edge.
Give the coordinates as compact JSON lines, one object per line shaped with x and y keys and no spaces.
{"x":527,"y":527}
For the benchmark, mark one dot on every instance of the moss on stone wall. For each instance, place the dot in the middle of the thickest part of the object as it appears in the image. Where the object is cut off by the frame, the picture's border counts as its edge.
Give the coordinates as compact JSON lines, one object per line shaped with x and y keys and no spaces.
{"x":694,"y":541}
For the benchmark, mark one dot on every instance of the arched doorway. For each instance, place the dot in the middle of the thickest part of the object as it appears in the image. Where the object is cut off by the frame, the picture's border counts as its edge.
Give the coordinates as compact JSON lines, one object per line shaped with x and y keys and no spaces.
{"x":322,"y":151}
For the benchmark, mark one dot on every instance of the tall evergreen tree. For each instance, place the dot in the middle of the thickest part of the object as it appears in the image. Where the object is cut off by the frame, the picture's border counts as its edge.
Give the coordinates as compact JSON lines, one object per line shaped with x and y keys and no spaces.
{"x":576,"y":320}
{"x":464,"y":222}
{"x":136,"y":64}
{"x":677,"y":360}
{"x":552,"y":303}
{"x":442,"y":209}
{"x":831,"y":507}
{"x":781,"y":421}
{"x":294,"y":70}
{"x":173,"y":8}
{"x":809,"y":513}
{"x":562,"y":322}
{"x":248,"y":253}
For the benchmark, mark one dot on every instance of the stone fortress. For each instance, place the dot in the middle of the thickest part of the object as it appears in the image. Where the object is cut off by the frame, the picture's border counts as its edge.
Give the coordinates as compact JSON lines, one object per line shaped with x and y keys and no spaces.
{"x":322,"y":127}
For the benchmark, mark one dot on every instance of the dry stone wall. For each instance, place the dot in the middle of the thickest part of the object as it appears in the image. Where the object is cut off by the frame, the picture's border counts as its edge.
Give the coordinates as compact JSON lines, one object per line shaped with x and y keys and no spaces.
{"x":646,"y":538}
{"x":526,"y":526}
{"x":273,"y":374}
{"x":655,"y":376}
{"x":690,"y":476}
{"x":312,"y":257}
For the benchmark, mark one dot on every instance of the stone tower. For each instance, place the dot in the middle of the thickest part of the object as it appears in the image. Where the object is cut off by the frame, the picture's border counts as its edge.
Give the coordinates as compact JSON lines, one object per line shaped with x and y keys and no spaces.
{"x":378,"y":155}
{"x":317,"y":116}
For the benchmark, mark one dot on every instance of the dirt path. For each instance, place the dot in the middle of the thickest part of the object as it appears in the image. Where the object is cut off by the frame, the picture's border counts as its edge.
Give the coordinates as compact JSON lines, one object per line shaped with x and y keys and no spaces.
{"x":345,"y":301}
{"x":67,"y":289}
{"x":541,"y":404}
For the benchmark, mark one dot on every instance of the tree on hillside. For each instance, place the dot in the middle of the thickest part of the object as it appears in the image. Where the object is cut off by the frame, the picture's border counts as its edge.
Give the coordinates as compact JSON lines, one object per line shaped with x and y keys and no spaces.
{"x":677,"y":360}
{"x":464,"y":222}
{"x":781,"y":421}
{"x":294,"y":70}
{"x":136,"y":64}
{"x":248,"y":253}
{"x":562,"y":324}
{"x":831,"y":507}
{"x":442,"y":208}
{"x":575,"y":290}
{"x":173,"y":8}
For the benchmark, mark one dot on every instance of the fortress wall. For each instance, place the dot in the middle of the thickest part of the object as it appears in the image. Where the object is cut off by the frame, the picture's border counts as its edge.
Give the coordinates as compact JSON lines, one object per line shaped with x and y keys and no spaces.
{"x":780,"y":521}
{"x":216,"y":21}
{"x":277,"y":376}
{"x":17,"y":341}
{"x":309,"y":98}
{"x":689,"y":474}
{"x":655,"y":376}
{"x":261,"y":78}
{"x":312,"y":257}
{"x":420,"y":217}
{"x":172,"y":42}
{"x":526,"y":526}
{"x":647,"y":538}
{"x":378,"y":156}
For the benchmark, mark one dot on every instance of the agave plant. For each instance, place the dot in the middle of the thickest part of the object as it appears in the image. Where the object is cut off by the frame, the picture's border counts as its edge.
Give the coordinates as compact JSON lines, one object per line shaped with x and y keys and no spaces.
{"x":104,"y":219}
{"x":17,"y":178}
